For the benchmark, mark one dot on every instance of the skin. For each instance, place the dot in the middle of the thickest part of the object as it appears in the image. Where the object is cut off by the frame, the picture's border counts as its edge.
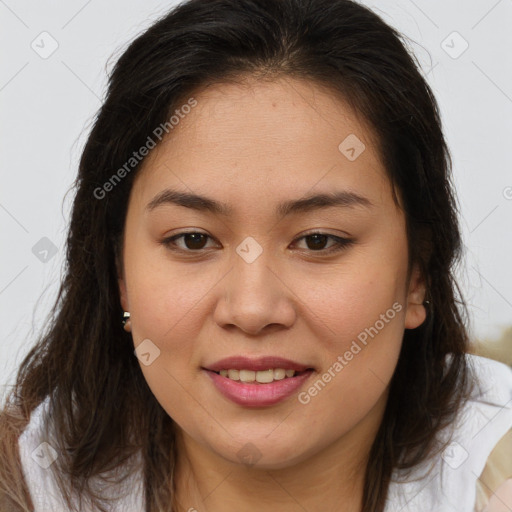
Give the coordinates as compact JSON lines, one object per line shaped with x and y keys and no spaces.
{"x":252,"y":145}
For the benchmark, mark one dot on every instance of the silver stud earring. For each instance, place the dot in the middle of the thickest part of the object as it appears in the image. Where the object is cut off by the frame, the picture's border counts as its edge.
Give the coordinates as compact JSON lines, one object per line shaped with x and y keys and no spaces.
{"x":127,"y":325}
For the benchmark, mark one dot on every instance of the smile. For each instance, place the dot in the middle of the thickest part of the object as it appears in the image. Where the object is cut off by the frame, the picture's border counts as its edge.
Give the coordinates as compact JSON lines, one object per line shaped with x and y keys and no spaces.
{"x":260,"y":377}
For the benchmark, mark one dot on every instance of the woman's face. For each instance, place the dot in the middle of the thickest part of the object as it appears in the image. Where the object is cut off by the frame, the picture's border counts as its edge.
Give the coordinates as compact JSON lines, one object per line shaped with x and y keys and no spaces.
{"x":254,"y":281}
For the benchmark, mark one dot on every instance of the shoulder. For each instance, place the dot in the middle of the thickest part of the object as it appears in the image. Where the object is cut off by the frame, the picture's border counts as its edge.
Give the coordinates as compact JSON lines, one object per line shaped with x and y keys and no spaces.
{"x":494,"y":485}
{"x":449,"y":483}
{"x":38,"y":456}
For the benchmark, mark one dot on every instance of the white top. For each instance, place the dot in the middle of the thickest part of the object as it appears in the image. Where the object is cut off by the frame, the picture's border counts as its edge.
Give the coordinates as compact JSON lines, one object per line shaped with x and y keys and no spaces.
{"x":449,"y":487}
{"x":451,"y":484}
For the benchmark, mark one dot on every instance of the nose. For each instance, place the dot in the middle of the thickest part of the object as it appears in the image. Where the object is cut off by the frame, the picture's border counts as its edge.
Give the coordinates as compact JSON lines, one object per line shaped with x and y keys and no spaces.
{"x":255,"y":298}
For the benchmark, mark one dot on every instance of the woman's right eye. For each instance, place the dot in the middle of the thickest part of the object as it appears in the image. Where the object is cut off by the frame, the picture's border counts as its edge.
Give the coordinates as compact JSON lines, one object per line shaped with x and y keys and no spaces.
{"x":193,"y":241}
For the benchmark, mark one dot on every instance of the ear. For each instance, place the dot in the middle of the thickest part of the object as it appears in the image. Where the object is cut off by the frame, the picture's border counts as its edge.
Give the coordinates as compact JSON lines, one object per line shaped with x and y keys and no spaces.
{"x":415,"y":312}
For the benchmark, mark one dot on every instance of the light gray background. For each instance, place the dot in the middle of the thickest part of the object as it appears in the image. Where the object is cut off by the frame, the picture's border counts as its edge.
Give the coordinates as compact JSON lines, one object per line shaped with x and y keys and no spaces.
{"x":48,"y":104}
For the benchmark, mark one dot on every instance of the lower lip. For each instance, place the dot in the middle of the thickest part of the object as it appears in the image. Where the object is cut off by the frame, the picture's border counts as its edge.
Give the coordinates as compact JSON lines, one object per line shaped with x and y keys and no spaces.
{"x":258,"y":395}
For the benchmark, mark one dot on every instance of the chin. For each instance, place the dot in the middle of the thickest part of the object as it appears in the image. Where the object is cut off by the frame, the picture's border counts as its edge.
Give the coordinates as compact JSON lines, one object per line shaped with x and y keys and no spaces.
{"x":262,"y":455}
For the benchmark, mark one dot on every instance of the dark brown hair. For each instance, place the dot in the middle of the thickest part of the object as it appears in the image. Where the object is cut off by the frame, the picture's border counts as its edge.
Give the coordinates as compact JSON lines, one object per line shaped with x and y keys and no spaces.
{"x":101,"y":405}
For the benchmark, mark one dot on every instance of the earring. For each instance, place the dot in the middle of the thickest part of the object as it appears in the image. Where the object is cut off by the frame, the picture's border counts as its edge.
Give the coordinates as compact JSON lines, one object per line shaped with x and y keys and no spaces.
{"x":127,"y":324}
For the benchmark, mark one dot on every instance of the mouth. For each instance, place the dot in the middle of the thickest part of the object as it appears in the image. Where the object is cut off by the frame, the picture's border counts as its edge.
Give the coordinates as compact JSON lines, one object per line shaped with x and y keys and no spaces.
{"x":257,"y":383}
{"x":260,"y":377}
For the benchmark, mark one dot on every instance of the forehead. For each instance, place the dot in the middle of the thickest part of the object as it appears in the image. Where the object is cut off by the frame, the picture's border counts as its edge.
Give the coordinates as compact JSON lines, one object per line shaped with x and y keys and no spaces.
{"x":264,"y":139}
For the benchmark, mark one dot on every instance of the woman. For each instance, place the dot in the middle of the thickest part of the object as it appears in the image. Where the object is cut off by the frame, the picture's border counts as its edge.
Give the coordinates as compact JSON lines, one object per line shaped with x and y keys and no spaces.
{"x":266,"y":200}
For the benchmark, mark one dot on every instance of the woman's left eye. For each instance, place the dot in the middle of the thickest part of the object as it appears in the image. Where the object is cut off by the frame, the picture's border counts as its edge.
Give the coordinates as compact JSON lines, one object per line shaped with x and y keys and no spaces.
{"x":194,"y":241}
{"x":319,"y":240}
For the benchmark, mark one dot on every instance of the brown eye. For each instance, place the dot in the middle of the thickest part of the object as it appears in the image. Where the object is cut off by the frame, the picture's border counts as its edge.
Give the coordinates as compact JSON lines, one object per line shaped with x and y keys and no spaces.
{"x":316,"y":242}
{"x":192,"y":241}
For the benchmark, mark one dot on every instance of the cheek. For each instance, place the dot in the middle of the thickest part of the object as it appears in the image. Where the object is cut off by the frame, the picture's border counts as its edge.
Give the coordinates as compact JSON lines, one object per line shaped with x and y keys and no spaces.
{"x":166,"y":297}
{"x":166,"y":301}
{"x":350,"y":299}
{"x":357,"y":321}
{"x":358,"y":362}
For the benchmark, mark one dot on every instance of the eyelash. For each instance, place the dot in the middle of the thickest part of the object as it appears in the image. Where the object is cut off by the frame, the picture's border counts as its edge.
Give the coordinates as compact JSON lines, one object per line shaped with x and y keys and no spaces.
{"x":341,"y":243}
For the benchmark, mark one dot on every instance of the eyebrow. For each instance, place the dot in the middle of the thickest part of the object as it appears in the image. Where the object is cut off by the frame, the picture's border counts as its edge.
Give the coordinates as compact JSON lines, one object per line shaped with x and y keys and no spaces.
{"x":343,"y":199}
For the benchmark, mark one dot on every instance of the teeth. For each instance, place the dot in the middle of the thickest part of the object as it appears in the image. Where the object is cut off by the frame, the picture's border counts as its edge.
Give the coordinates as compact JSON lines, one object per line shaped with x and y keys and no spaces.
{"x":262,"y":377}
{"x":279,"y":374}
{"x":234,"y":374}
{"x":247,"y":376}
{"x":265,"y":376}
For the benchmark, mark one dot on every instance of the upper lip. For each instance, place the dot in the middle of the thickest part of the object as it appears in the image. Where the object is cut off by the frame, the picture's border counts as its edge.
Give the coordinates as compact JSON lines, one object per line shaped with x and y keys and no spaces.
{"x":256,"y":364}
